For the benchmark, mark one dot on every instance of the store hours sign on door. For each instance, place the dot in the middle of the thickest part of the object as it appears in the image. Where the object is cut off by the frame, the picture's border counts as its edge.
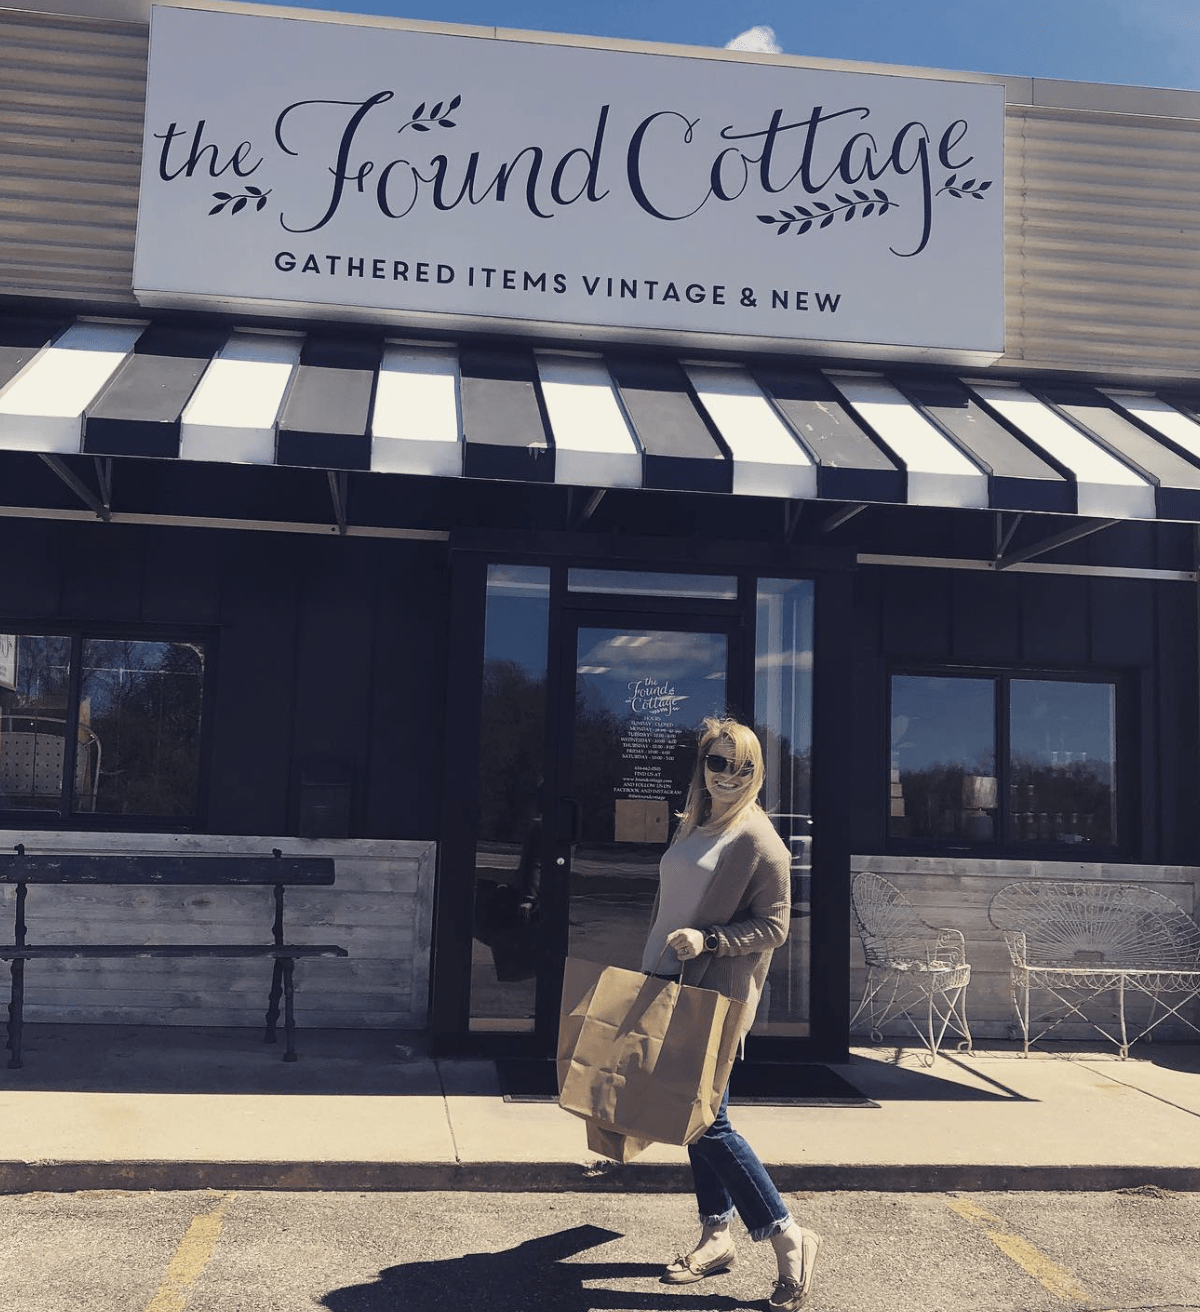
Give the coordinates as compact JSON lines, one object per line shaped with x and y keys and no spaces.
{"x":421,"y":178}
{"x":652,"y":772}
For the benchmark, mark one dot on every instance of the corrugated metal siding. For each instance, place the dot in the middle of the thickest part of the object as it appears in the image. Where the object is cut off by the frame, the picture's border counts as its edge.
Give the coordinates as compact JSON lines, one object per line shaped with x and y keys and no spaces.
{"x":72,"y":95}
{"x":1102,"y":249}
{"x":1103,"y":242}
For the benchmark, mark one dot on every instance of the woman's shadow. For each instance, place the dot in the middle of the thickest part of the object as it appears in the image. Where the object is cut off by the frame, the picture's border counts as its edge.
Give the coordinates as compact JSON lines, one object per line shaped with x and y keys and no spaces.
{"x":530,"y":1276}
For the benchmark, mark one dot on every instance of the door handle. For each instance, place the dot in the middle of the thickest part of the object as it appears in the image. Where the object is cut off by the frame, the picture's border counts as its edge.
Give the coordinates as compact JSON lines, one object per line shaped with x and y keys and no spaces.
{"x":570,"y":820}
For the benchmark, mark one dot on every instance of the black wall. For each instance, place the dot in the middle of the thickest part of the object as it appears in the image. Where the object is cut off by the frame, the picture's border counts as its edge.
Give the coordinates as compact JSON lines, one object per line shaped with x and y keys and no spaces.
{"x":327,"y":650}
{"x":1143,"y":629}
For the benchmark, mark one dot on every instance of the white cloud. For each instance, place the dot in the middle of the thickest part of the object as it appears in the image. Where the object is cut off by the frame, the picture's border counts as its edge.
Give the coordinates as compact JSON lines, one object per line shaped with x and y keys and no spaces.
{"x":760,"y":39}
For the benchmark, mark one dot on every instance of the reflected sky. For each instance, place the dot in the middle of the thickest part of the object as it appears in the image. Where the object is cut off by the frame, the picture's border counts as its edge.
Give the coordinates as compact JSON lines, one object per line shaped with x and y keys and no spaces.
{"x":1063,"y":722}
{"x":943,"y":722}
{"x":685,"y":671}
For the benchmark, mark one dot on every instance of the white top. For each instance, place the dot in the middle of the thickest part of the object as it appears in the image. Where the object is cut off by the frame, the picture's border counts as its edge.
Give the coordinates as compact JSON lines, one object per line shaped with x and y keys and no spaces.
{"x":684,"y":874}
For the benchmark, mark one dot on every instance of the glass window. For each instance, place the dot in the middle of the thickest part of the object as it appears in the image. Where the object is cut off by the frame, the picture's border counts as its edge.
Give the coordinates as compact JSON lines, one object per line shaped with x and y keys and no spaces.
{"x":943,"y":759}
{"x":1003,"y":760}
{"x":139,"y":727}
{"x":512,"y":752}
{"x":630,"y":583}
{"x":1062,"y":787}
{"x":130,"y":736}
{"x":783,"y":675}
{"x":34,"y":687}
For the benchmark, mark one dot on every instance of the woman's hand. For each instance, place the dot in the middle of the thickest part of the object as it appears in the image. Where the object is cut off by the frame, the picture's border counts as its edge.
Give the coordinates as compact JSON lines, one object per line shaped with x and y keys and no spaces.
{"x":687,"y":943}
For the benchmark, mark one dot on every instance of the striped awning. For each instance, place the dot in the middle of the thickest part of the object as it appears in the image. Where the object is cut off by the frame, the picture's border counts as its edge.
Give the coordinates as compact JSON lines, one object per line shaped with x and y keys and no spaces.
{"x":345,"y":401}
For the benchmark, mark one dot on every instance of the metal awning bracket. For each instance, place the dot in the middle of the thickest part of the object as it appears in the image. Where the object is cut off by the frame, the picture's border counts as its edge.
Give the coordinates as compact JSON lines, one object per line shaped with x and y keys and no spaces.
{"x":339,"y":482}
{"x":104,"y":478}
{"x":1083,"y":529}
{"x":792,"y":511}
{"x":587,"y":510}
{"x":100,"y":506}
{"x":840,"y":517}
{"x":1002,"y":537}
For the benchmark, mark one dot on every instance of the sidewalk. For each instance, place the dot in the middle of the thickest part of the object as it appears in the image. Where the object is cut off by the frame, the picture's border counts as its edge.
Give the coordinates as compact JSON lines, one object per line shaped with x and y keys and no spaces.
{"x":100,"y":1107}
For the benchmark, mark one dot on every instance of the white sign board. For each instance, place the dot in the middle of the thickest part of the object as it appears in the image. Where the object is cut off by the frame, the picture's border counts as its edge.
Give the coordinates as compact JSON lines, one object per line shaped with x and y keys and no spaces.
{"x":412,"y":176}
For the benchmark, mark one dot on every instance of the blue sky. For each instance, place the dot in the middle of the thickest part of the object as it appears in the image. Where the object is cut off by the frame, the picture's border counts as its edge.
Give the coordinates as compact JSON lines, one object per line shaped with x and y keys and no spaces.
{"x":1141,"y":42}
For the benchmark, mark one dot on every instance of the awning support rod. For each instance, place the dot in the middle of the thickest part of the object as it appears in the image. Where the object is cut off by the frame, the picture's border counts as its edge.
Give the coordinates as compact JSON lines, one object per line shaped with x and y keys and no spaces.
{"x":590,"y":507}
{"x":1086,"y":529}
{"x":1001,"y":538}
{"x":338,"y":483}
{"x":81,"y":489}
{"x":840,"y":517}
{"x":792,"y":511}
{"x":104,"y":470}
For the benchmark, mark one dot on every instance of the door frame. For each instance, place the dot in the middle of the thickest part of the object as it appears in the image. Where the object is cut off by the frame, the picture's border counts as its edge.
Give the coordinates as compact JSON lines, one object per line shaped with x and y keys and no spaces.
{"x":833,"y":785}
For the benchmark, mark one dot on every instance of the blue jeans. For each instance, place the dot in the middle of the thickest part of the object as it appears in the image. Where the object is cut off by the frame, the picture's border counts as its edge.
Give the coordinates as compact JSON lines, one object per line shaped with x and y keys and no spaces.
{"x":729,"y":1177}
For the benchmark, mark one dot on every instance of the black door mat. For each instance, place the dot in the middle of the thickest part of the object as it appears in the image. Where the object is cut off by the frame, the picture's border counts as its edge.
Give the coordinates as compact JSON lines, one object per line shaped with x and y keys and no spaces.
{"x":763,"y":1084}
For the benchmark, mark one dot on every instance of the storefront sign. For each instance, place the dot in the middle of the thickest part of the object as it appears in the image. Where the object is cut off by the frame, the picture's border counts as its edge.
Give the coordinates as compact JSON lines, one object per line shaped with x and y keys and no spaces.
{"x":418,"y":178}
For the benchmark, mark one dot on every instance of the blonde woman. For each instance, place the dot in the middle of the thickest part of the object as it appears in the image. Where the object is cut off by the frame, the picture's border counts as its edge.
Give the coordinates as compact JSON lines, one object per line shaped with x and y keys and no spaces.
{"x":723,"y":907}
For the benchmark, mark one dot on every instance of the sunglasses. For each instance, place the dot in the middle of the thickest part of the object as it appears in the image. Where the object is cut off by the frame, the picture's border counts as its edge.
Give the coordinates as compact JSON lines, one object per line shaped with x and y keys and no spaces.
{"x":719,"y":764}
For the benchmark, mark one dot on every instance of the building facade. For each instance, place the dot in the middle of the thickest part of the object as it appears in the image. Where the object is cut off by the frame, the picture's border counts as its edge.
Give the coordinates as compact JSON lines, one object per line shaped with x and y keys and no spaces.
{"x":383,"y":546}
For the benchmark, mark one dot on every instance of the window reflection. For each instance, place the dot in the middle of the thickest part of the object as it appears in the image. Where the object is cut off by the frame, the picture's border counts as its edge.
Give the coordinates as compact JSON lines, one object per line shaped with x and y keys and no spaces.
{"x":943,"y":759}
{"x":783,"y":673}
{"x":139,"y":728}
{"x":640,"y":695}
{"x":34,"y":680}
{"x":1054,"y":768}
{"x":511,"y":755}
{"x":1063,"y":741}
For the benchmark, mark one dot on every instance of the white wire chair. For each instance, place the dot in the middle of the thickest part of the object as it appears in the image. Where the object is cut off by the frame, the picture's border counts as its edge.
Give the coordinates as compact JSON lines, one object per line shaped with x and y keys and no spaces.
{"x":1073,"y":942}
{"x":914,"y":970}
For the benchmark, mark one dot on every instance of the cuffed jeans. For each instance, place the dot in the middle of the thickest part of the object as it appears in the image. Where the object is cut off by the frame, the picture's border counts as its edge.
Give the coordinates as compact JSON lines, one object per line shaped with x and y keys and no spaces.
{"x":729,"y":1177}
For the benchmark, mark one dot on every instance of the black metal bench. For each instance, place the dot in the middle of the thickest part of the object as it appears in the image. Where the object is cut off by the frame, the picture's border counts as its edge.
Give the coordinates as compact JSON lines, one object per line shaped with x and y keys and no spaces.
{"x":277,"y":870}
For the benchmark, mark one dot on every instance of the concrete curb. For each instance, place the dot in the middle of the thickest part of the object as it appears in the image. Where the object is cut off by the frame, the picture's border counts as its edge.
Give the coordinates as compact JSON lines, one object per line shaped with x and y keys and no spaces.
{"x":556,"y":1177}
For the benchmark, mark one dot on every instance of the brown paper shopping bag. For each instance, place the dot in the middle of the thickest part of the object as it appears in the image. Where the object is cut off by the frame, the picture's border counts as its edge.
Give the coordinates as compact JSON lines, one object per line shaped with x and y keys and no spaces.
{"x":643,"y":1057}
{"x":610,"y":1144}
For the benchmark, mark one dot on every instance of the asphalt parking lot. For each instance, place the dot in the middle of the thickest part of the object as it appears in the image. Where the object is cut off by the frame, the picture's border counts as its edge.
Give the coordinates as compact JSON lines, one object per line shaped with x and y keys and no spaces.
{"x":421,"y":1252}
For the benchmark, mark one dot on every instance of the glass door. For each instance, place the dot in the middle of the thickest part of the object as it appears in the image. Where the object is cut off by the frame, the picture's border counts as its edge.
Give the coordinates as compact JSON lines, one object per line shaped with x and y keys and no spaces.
{"x":639,"y":693}
{"x":578,"y":743}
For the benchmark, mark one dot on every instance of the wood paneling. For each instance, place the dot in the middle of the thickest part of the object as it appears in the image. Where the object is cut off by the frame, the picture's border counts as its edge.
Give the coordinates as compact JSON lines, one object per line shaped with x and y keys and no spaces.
{"x":34,"y":590}
{"x":256,"y":677}
{"x":985,"y":625}
{"x":916,"y":613}
{"x":955,"y":893}
{"x":1054,"y":620}
{"x":411,"y":666}
{"x":1177,"y":685}
{"x":1122,"y":621}
{"x":331,"y":721}
{"x":102,"y":571}
{"x":379,"y":908}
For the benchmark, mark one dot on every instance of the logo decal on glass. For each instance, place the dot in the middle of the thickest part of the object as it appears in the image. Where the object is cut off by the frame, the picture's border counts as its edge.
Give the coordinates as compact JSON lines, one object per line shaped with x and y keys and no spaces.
{"x":653,"y":699}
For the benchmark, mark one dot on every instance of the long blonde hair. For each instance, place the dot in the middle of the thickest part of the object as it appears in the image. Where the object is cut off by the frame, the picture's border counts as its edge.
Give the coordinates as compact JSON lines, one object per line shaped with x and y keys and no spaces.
{"x":697,"y":809}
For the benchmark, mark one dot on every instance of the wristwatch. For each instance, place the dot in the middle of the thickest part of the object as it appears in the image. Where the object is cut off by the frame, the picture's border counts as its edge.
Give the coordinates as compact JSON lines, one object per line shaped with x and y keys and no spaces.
{"x":711,"y":941}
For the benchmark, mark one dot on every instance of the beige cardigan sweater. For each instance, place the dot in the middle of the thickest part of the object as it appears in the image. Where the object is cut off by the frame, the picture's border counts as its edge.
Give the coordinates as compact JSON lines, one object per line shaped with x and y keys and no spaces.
{"x":748,"y":904}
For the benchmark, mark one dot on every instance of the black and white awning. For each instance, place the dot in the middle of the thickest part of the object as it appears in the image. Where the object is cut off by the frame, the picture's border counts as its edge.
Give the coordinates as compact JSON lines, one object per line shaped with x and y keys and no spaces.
{"x":345,"y":401}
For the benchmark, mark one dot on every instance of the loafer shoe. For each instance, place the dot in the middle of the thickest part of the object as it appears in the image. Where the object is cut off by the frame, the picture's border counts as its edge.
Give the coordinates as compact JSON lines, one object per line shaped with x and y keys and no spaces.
{"x":790,"y":1295}
{"x":686,"y":1270}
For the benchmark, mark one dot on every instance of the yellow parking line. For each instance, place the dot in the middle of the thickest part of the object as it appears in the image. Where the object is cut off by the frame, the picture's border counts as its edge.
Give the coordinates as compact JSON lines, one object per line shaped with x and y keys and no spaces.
{"x":190,"y":1259}
{"x":1062,"y":1284}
